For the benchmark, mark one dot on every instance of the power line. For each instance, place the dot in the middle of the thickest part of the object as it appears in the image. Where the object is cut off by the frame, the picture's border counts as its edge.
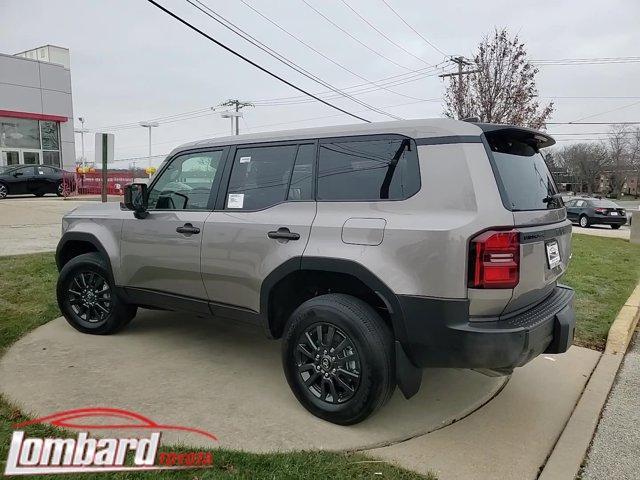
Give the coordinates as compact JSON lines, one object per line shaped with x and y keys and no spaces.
{"x":586,"y":61}
{"x":608,"y":111}
{"x":381,"y":33}
{"x":592,"y":123}
{"x":310,"y":47}
{"x":259,"y":67}
{"x":281,"y":58}
{"x":432,"y":45}
{"x":353,"y":37}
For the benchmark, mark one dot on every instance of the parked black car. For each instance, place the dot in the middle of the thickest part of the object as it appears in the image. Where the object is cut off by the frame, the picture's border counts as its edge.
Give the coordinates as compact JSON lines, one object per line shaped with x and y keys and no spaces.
{"x":35,"y":179}
{"x":595,"y":211}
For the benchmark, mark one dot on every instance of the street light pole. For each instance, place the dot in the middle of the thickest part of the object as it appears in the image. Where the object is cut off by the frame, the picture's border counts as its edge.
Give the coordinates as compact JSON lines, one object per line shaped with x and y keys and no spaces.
{"x":82,"y":131}
{"x":149,"y":125}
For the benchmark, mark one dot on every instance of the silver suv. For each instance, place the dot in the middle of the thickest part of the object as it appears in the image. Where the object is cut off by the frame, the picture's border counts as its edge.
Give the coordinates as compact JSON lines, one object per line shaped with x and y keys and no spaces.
{"x":373,"y":251}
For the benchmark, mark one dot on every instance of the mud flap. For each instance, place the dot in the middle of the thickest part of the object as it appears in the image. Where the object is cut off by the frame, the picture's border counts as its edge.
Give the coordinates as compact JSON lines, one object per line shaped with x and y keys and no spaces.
{"x":408,"y":376}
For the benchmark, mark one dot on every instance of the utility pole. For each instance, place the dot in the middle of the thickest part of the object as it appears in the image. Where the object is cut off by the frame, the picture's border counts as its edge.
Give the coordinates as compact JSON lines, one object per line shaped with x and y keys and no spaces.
{"x":82,"y":131}
{"x":461,"y":62}
{"x":149,"y":125}
{"x":237,"y":105}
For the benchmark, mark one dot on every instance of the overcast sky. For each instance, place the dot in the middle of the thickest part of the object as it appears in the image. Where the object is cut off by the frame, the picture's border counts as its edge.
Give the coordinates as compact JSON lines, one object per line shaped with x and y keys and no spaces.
{"x":132,"y":62}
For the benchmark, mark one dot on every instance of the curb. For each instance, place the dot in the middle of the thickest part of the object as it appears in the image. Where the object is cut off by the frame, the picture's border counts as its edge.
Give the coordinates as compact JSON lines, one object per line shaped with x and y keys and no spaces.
{"x":569,"y":452}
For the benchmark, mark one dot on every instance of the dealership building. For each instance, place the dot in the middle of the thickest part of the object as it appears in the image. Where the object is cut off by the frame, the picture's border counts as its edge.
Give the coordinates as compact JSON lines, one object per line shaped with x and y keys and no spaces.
{"x":36,"y":110}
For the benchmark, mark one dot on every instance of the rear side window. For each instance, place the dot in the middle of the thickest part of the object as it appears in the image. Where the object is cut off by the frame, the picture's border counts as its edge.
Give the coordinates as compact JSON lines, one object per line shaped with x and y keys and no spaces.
{"x":368,"y":170}
{"x":301,"y":187}
{"x":524,"y":174}
{"x":260,"y":177}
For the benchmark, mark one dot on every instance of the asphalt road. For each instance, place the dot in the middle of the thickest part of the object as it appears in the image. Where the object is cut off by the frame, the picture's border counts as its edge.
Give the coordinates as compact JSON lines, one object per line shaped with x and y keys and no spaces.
{"x":614,"y":450}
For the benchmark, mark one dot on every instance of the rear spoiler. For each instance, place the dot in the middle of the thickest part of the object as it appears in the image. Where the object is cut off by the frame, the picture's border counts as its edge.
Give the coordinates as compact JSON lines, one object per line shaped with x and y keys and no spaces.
{"x":533,"y":137}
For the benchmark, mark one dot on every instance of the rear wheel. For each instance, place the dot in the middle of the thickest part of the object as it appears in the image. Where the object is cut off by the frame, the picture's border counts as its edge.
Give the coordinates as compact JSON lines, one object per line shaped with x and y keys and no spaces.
{"x":615,"y":227}
{"x":337,"y":356}
{"x":39,"y":194}
{"x":4,"y":191}
{"x":62,"y":189}
{"x":584,"y":221}
{"x":87,"y":298}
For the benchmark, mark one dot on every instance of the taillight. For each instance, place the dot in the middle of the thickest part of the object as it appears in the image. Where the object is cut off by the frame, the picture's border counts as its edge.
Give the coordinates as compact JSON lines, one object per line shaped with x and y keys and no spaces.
{"x":494,"y":260}
{"x":601,"y":211}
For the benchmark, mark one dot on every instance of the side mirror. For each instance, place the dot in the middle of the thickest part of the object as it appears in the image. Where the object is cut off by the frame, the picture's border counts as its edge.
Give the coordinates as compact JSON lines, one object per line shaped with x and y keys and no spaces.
{"x":135,"y":198}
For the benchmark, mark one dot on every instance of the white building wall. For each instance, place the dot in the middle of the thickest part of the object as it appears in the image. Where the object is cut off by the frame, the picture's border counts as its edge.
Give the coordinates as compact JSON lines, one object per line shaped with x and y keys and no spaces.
{"x":39,"y":87}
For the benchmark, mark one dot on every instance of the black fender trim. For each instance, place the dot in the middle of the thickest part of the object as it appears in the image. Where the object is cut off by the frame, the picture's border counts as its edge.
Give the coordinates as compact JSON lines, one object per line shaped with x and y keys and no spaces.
{"x":81,"y":237}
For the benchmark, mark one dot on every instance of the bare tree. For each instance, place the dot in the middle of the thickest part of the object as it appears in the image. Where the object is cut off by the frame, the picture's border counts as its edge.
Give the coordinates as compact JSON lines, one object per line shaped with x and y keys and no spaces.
{"x":619,"y":154}
{"x":504,"y":88}
{"x":587,"y":161}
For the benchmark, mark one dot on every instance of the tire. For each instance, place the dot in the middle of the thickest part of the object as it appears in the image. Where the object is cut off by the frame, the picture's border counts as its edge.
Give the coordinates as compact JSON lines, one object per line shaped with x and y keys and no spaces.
{"x":39,"y":194}
{"x":105,"y":312}
{"x":62,"y":190}
{"x":4,"y":191}
{"x":369,"y":346}
{"x":615,"y":227}
{"x":584,"y":221}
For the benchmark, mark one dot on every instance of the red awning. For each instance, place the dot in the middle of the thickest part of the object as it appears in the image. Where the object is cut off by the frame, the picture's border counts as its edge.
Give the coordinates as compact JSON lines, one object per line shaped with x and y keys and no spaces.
{"x":33,"y":116}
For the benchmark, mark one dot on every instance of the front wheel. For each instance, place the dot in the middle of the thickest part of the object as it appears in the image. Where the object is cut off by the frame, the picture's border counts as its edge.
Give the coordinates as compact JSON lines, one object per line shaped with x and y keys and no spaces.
{"x":87,"y":298}
{"x":584,"y":221}
{"x":337,"y":355}
{"x":615,"y":227}
{"x":4,"y":191}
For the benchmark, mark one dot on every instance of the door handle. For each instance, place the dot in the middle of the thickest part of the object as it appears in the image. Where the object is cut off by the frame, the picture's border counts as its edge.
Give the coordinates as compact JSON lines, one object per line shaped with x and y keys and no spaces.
{"x":283,"y":233}
{"x":188,"y":229}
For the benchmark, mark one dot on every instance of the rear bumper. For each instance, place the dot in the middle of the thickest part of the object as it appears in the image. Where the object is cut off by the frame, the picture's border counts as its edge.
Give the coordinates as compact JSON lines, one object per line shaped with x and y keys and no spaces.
{"x":608,"y":220}
{"x":439,"y":333}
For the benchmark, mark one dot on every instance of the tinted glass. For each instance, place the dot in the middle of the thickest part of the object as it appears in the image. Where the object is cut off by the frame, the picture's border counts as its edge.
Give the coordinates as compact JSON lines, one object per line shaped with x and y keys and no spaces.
{"x":19,"y":133}
{"x":524,"y":174}
{"x":368,"y":170}
{"x":260,"y":176}
{"x":48,"y":171}
{"x":301,"y":187}
{"x":51,"y":158}
{"x":186,"y":183}
{"x":49,"y":131}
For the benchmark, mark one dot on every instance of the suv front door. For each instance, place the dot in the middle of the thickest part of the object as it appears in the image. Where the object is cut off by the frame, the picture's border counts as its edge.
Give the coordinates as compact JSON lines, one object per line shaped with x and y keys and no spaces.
{"x":263,"y":219}
{"x":161,"y":253}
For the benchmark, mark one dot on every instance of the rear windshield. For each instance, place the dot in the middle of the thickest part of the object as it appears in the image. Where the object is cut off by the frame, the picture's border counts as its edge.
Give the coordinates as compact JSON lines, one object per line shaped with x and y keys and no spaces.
{"x":524,"y":174}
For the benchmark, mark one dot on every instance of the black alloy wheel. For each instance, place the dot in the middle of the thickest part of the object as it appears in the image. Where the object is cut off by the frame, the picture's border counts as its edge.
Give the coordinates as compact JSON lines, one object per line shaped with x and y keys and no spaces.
{"x":90,"y":297}
{"x":328,"y":363}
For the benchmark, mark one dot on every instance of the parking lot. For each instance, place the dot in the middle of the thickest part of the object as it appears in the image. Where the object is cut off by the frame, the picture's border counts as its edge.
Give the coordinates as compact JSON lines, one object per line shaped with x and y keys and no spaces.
{"x":30,"y":225}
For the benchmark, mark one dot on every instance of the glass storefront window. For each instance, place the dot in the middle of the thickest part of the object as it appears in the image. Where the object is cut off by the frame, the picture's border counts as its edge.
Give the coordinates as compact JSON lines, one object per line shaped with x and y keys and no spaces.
{"x":50,"y":139}
{"x":51,"y":158}
{"x":19,"y":133}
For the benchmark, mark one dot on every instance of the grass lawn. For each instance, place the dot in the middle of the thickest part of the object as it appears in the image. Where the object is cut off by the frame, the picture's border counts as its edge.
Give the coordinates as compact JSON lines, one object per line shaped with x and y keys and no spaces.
{"x":604,"y":272}
{"x":27,"y":299}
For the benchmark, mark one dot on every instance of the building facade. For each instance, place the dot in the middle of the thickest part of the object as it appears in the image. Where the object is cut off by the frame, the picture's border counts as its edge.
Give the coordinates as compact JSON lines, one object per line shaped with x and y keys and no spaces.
{"x":36,"y":109}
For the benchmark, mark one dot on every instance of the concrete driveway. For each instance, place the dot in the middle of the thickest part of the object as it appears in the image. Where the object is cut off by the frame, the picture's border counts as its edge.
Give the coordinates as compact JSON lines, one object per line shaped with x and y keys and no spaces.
{"x":227,"y":379}
{"x":604,"y":231}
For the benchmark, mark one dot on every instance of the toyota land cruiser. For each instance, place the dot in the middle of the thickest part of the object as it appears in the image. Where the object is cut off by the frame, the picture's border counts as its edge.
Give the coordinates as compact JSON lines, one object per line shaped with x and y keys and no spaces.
{"x":373,"y":251}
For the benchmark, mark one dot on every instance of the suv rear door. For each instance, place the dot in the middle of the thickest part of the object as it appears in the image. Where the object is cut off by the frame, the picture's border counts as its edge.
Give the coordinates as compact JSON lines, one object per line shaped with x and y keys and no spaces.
{"x":262,"y":219}
{"x":528,"y":190}
{"x":161,"y":253}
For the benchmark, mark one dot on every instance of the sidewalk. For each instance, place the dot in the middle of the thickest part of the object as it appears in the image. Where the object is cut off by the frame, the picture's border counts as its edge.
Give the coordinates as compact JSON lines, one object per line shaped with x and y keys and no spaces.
{"x":510,"y":437}
{"x":614,"y":450}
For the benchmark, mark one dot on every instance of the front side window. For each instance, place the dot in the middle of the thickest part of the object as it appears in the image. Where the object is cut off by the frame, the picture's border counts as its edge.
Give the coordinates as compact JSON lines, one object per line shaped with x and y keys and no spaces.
{"x":186,"y":183}
{"x":368,"y":170}
{"x":260,"y":177}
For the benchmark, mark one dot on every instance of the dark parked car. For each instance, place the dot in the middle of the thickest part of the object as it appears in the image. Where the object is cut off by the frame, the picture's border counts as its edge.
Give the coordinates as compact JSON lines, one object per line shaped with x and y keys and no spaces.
{"x":595,"y":211}
{"x":35,"y":179}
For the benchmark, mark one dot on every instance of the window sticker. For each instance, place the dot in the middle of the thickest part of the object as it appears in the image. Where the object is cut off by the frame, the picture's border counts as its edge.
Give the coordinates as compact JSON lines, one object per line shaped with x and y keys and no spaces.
{"x":235,"y":200}
{"x":245,"y":159}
